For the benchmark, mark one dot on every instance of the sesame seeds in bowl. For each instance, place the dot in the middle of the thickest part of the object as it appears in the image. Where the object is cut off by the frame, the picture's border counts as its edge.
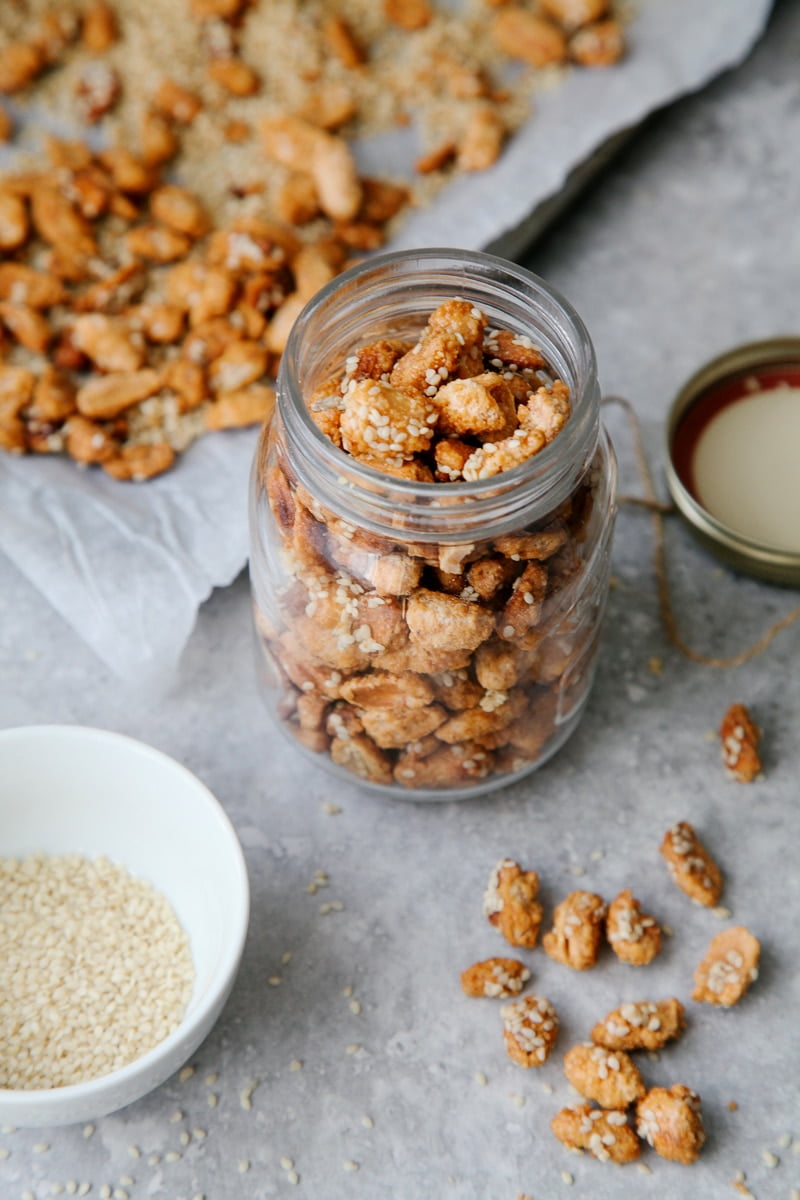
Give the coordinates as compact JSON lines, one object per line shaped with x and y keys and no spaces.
{"x":124,"y":904}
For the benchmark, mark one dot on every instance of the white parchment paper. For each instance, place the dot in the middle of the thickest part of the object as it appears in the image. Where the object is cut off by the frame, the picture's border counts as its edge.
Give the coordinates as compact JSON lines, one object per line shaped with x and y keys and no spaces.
{"x":128,"y":566}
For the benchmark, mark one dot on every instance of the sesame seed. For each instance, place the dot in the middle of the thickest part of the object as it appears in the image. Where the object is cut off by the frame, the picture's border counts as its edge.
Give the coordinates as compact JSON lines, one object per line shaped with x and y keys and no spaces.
{"x":332,"y":809}
{"x":286,"y":957}
{"x":212,"y":1078}
{"x":644,"y":1169}
{"x":296,"y":1064}
{"x":769,"y":1159}
{"x":367,"y":1122}
{"x":172,"y":1156}
{"x":349,"y":1165}
{"x":185,"y":1137}
{"x":199,"y":1134}
{"x":286,"y":1162}
{"x":186,"y":1074}
{"x":127,"y":1180}
{"x":5,"y":1152}
{"x":244,"y":1166}
{"x":292,"y":1177}
{"x":355,"y":1007}
{"x":176,"y":1117}
{"x":480,"y":1078}
{"x":785,"y":1140}
{"x":105,"y":1192}
{"x":274,"y":981}
{"x":566,"y":1177}
{"x":41,"y":1147}
{"x":353,"y":1048}
{"x":212,"y":1099}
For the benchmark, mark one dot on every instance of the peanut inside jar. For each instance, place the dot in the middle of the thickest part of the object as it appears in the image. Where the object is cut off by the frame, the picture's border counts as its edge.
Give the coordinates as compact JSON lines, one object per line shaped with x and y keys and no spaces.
{"x":421,"y":664}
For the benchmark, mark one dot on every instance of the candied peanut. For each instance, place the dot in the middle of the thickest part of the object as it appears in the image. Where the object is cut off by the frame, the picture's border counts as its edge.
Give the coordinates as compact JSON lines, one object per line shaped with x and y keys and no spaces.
{"x":235,"y":76}
{"x":547,"y":410}
{"x":530,"y":1030}
{"x":360,"y":755}
{"x":482,"y":404}
{"x":573,"y":13}
{"x":53,"y":33}
{"x":296,"y":199}
{"x":88,"y":442}
{"x":157,"y":140}
{"x":641,"y":1025}
{"x":99,"y":30}
{"x":27,"y":326}
{"x":239,"y":364}
{"x":342,"y":42}
{"x":160,"y":323}
{"x":395,"y":729}
{"x":16,"y":388}
{"x":176,"y":102}
{"x":385,"y":421}
{"x":108,"y":342}
{"x":541,"y":545}
{"x":448,"y":767}
{"x":188,"y":380}
{"x":311,"y":270}
{"x":129,"y":172}
{"x":301,"y":146}
{"x":109,"y":395}
{"x":159,"y":243}
{"x":496,"y":457}
{"x":497,"y":666}
{"x":510,"y":903}
{"x":523,"y":35}
{"x":437,"y":158}
{"x":55,"y":220}
{"x":14,"y":225}
{"x":523,"y":609}
{"x":455,"y":690}
{"x":243,"y":406}
{"x":606,"y":1076}
{"x":382,"y":689}
{"x":441,"y":622}
{"x":489,"y":576}
{"x":20,"y":63}
{"x":395,"y":574}
{"x":740,"y":737}
{"x":598,"y":45}
{"x":634,"y":937}
{"x":495,"y":977}
{"x":605,"y":1133}
{"x":671,"y":1121}
{"x":381,"y":200}
{"x":516,"y":350}
{"x":24,"y":285}
{"x":140,"y":462}
{"x":408,"y":14}
{"x":690,"y":865}
{"x":494,"y":711}
{"x":728,"y":969}
{"x":53,"y":397}
{"x":482,"y":140}
{"x":279,"y":328}
{"x":96,"y":91}
{"x":179,"y":209}
{"x":577,"y":930}
{"x":13,"y":438}
{"x":6,"y":126}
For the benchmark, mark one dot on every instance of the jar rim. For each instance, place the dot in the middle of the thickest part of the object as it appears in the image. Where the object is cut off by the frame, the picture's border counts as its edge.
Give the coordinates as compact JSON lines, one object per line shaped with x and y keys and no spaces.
{"x":576,"y":441}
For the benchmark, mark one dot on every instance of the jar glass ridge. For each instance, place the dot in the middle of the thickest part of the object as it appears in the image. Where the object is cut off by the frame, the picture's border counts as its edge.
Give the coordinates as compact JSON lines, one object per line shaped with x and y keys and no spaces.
{"x":321,"y":520}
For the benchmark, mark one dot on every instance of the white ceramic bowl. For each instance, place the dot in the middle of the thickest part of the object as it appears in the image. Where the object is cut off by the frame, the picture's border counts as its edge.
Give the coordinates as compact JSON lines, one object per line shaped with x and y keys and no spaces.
{"x":68,"y":789}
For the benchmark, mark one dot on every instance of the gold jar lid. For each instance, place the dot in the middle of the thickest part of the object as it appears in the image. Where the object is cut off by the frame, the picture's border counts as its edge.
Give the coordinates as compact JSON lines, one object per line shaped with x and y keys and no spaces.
{"x":733,"y":458}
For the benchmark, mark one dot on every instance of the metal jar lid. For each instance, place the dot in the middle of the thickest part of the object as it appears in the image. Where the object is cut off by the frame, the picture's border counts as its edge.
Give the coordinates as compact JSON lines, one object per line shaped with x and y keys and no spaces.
{"x":748,"y":365}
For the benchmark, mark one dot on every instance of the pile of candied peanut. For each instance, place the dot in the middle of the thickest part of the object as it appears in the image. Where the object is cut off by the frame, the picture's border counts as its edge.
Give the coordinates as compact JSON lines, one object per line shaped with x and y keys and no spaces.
{"x":602,"y":1070}
{"x":422,"y":664}
{"x":128,"y":325}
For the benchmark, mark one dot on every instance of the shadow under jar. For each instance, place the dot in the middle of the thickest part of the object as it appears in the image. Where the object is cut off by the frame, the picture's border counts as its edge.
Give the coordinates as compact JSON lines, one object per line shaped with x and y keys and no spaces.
{"x":433,"y":640}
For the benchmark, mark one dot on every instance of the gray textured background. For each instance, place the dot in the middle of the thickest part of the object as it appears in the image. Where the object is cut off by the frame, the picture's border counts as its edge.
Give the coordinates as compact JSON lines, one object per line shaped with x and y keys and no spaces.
{"x":688,"y":244}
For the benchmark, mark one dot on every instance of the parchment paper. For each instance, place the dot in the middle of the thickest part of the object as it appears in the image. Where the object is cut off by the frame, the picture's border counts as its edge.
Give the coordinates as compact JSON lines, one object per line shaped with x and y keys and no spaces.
{"x":128,"y":566}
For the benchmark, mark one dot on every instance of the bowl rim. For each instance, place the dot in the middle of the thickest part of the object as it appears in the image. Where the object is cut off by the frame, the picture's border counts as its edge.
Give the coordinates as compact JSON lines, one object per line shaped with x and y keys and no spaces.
{"x":232,"y":949}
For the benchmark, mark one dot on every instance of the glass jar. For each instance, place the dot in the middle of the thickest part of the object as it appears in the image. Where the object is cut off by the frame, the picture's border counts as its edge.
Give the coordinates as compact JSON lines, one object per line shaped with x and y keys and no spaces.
{"x":400,"y":643}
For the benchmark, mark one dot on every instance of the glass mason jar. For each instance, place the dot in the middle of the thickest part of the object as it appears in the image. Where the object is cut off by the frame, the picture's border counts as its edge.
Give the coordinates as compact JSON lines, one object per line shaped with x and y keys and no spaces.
{"x":400,"y":643}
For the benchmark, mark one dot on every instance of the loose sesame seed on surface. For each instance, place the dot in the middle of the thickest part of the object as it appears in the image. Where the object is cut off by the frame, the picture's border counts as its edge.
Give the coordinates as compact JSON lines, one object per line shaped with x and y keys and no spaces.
{"x":350,"y":1165}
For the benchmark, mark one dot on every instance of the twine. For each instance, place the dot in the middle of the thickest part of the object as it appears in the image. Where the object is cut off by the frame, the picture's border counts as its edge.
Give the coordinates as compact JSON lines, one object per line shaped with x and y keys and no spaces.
{"x":658,"y":510}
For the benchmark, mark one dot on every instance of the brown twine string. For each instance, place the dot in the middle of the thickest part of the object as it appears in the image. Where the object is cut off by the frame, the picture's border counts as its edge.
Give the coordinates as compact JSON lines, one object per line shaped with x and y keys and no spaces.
{"x":658,"y":511}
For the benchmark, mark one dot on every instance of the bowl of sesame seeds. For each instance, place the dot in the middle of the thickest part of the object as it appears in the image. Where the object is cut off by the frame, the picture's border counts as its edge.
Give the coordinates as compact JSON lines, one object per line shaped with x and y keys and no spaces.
{"x":124,"y":905}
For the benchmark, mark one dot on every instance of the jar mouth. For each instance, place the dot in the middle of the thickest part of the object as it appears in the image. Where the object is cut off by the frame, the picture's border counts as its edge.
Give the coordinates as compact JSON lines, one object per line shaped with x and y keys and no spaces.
{"x":395,"y":293}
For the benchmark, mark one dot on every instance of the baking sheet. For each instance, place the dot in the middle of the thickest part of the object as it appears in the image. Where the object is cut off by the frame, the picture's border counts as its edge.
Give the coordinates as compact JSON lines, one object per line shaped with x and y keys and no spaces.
{"x":128,"y":566}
